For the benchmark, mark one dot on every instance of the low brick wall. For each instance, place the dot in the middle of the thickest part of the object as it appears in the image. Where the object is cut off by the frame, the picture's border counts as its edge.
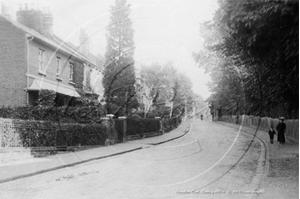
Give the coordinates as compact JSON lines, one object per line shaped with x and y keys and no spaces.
{"x":292,"y":126}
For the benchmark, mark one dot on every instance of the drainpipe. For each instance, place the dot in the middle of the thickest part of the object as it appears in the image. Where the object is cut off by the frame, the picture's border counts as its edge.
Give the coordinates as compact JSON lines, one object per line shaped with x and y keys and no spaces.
{"x":29,"y":38}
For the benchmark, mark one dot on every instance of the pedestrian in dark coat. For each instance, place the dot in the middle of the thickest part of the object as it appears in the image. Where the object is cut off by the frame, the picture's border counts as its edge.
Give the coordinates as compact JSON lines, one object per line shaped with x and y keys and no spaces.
{"x":271,"y":134}
{"x":281,"y":130}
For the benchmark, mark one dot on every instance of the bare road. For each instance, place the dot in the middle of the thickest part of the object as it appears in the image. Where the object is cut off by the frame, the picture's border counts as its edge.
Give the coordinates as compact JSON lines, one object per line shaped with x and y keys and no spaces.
{"x":211,"y":161}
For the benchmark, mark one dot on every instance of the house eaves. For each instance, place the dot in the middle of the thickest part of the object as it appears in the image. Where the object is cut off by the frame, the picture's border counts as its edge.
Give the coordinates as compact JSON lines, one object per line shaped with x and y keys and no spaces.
{"x":60,"y":47}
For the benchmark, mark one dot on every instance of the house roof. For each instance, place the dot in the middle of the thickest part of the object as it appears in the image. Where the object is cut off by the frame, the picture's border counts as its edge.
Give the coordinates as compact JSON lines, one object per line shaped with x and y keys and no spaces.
{"x":56,"y":42}
{"x":91,"y":58}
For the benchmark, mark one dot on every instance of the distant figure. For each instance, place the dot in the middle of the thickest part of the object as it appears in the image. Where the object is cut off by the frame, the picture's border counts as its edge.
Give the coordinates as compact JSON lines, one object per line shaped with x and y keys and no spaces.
{"x":237,"y":119}
{"x":271,"y":134}
{"x":281,"y":130}
{"x":201,"y":117}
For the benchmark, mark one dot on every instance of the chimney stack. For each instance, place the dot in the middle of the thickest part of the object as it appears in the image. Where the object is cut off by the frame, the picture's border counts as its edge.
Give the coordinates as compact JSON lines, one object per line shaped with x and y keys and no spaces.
{"x":47,"y":23}
{"x":30,"y":18}
{"x":36,"y":19}
{"x":84,"y":43}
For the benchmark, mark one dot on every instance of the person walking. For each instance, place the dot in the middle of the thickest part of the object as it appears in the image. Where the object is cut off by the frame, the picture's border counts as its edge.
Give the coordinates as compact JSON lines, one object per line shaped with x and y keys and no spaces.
{"x":271,"y":134}
{"x":281,"y":130}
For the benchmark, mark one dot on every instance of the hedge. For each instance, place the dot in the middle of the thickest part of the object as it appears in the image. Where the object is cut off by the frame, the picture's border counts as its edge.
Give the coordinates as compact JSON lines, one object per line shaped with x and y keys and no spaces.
{"x":67,"y":114}
{"x":85,"y":135}
{"x":36,"y":133}
{"x":172,"y":123}
{"x":47,"y":134}
{"x":137,"y":126}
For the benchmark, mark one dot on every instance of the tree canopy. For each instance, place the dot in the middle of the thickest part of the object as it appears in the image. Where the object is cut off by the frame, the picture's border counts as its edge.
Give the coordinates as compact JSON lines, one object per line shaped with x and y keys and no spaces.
{"x":252,"y":52}
{"x":170,"y":85}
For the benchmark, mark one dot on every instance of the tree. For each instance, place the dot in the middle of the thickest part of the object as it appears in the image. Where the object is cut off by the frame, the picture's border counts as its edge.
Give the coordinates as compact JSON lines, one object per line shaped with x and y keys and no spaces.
{"x":259,"y":38}
{"x":119,"y":76}
{"x":168,"y":84}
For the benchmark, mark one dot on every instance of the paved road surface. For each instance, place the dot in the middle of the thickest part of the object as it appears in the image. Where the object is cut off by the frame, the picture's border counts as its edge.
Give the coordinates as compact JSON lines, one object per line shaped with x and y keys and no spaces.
{"x":211,"y":161}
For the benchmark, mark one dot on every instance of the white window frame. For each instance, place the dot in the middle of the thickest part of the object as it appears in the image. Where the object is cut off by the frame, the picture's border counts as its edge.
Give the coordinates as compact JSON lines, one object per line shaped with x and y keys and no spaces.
{"x":41,"y":61}
{"x":71,"y":66}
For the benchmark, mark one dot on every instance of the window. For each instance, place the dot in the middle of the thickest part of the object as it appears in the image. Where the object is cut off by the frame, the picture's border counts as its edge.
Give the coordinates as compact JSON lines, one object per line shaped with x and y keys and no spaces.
{"x":41,"y":61}
{"x":71,"y":72}
{"x":58,"y":67}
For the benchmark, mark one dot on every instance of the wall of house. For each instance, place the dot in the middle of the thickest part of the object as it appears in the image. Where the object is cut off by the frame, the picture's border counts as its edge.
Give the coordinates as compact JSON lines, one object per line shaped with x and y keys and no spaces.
{"x":96,"y":82}
{"x":19,"y":65}
{"x":50,"y":62}
{"x":13,"y":65}
{"x":92,"y":81}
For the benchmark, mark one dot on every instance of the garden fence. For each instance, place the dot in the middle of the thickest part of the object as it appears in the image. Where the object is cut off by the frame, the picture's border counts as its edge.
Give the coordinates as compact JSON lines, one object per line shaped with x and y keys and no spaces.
{"x":292,"y":126}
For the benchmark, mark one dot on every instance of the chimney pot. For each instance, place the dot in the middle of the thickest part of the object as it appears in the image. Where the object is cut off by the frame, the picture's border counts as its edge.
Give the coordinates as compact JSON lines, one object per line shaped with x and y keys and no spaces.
{"x":31,"y":18}
{"x":5,"y":10}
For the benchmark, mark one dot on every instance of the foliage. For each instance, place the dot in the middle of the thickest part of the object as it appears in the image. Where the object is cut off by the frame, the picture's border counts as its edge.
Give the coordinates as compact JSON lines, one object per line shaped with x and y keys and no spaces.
{"x":45,"y":134}
{"x":87,"y":109}
{"x":36,"y":133}
{"x":139,"y":126}
{"x":119,"y":76}
{"x":161,"y":78}
{"x":84,"y":134}
{"x":171,"y":123}
{"x":255,"y":47}
{"x":78,"y":74}
{"x":169,"y":85}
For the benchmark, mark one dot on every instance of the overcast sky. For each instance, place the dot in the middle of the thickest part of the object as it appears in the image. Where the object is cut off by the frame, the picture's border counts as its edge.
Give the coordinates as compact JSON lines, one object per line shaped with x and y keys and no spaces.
{"x":165,"y":30}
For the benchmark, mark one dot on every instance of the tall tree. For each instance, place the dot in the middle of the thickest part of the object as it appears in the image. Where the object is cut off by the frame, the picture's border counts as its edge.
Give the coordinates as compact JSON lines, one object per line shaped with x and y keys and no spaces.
{"x":259,"y":38}
{"x":119,"y":76}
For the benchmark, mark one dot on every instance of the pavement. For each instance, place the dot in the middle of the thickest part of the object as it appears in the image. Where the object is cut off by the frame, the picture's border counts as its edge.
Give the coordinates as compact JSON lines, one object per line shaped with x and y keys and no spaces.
{"x":14,"y":170}
{"x":280,"y":175}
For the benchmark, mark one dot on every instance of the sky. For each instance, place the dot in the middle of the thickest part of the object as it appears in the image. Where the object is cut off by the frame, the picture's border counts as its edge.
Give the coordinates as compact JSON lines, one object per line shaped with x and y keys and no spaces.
{"x":164,"y":30}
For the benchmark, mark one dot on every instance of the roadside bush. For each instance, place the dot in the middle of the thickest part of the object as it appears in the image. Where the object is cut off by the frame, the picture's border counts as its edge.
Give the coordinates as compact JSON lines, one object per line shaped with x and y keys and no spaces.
{"x":138,"y":126}
{"x":66,"y":114}
{"x":150,"y":125}
{"x":85,"y":109}
{"x":46,"y":134}
{"x":36,"y":133}
{"x":84,"y":135}
{"x":171,"y":123}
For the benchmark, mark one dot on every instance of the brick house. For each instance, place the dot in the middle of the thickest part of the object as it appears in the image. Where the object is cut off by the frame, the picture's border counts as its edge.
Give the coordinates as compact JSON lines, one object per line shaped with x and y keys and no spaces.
{"x":32,"y":58}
